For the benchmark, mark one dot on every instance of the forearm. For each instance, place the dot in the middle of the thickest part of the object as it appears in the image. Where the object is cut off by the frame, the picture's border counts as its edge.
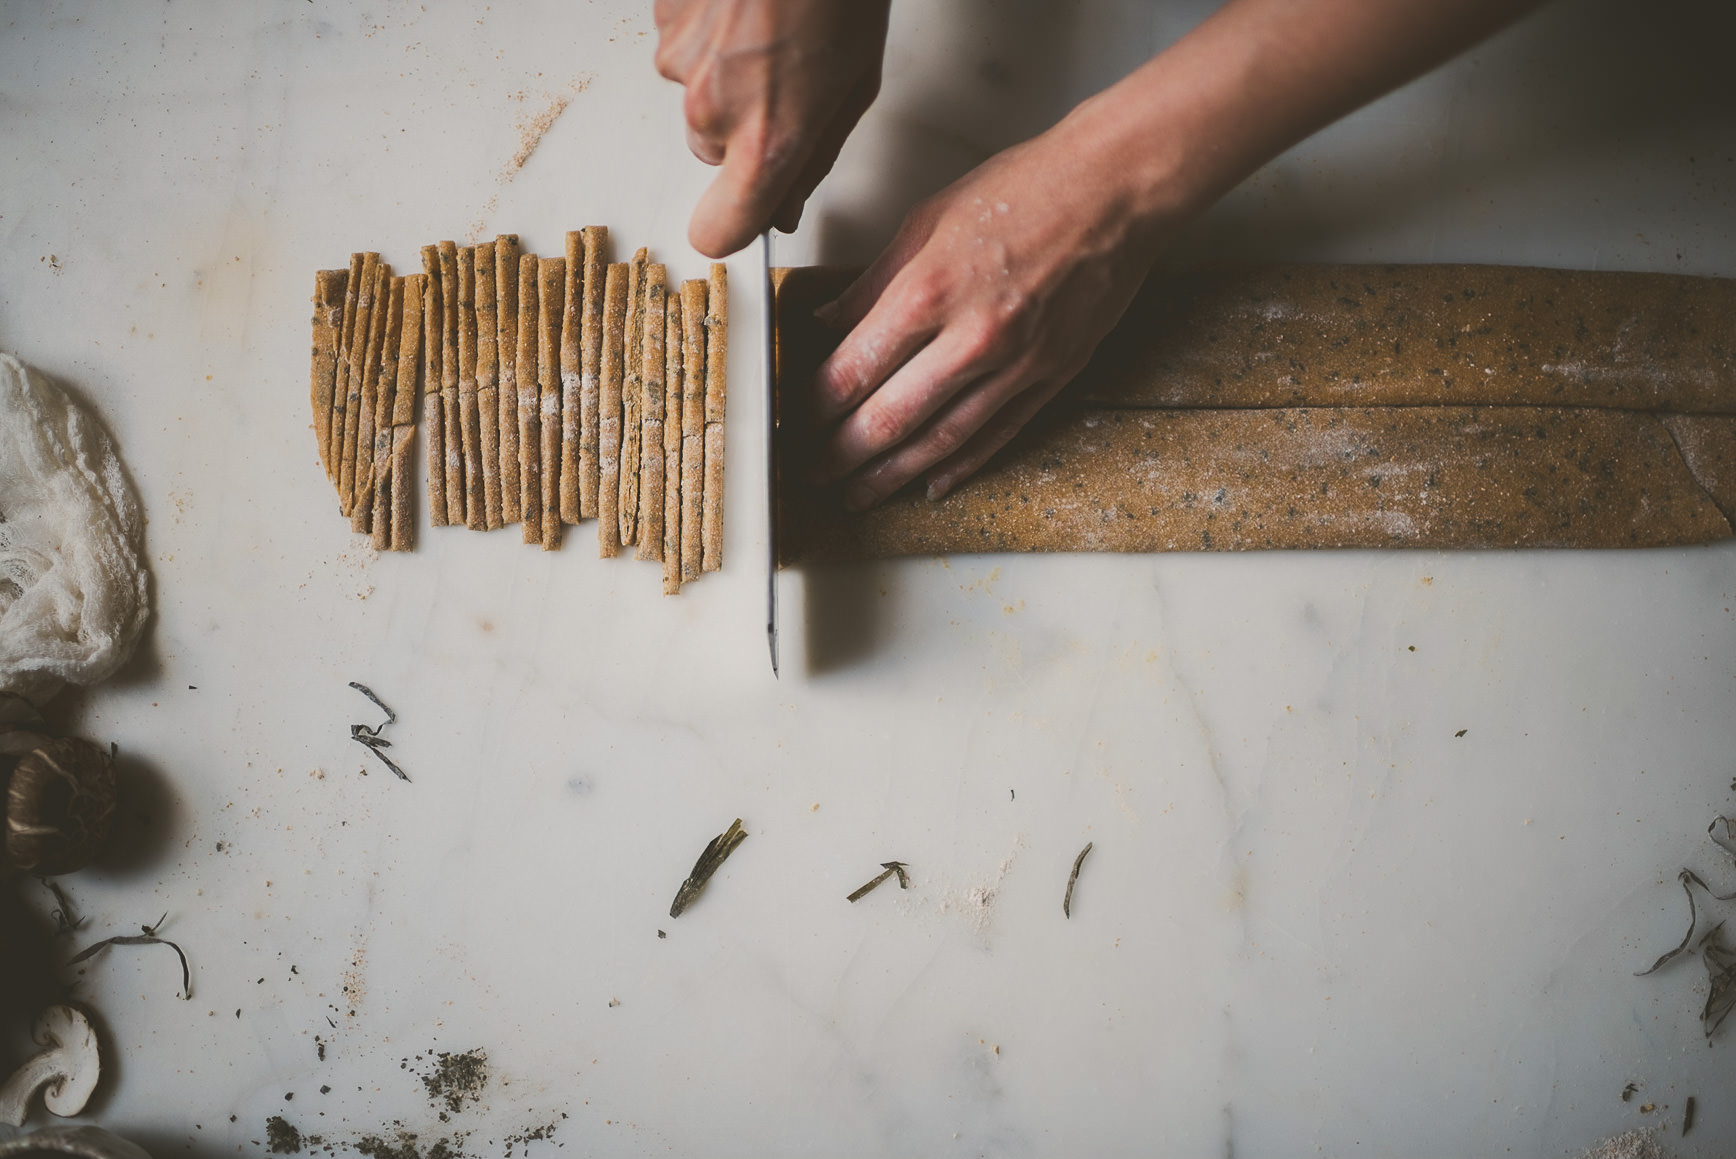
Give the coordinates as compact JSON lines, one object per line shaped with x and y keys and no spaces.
{"x":1252,"y":80}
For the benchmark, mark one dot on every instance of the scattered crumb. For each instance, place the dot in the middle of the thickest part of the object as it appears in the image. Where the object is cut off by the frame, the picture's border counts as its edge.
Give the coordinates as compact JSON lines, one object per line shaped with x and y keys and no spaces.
{"x":281,"y":1137}
{"x":456,"y":1078}
{"x":1628,"y":1145}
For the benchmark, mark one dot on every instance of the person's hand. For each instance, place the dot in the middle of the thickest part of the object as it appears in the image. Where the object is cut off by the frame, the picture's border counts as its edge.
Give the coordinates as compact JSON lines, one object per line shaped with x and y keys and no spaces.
{"x":773,"y":89}
{"x":991,"y":298}
{"x":996,"y":291}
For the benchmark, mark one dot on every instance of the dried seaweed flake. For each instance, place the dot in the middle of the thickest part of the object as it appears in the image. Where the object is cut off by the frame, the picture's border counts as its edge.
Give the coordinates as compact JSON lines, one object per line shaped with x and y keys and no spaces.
{"x":1072,"y":878}
{"x":716,"y":852}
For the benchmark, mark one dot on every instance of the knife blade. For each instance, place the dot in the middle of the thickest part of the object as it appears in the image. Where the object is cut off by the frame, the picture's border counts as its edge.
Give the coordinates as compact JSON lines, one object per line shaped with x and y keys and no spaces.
{"x":770,"y":355}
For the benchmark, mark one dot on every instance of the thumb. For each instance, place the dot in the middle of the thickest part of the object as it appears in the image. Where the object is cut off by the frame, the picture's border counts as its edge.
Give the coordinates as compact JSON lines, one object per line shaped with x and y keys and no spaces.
{"x":740,"y":201}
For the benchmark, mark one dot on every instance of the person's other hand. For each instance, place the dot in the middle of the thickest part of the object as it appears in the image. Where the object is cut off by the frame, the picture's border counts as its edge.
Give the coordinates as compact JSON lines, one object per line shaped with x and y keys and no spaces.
{"x":990,"y":299}
{"x":773,"y":89}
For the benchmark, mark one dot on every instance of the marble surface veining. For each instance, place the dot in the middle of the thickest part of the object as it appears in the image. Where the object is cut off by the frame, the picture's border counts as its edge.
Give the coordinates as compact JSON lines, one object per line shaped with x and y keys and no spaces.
{"x":1379,"y":838}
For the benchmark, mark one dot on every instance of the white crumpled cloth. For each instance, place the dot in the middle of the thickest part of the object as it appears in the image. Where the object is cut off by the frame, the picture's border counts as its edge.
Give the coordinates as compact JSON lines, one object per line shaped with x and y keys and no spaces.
{"x":73,"y":584}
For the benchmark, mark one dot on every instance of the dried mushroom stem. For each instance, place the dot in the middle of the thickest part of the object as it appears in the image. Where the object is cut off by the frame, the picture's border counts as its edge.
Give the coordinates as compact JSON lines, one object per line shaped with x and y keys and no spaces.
{"x":506,"y":345}
{"x":591,"y":368}
{"x":551,"y":276}
{"x":449,"y":374}
{"x":328,"y":323}
{"x":488,"y":386}
{"x":693,"y":307}
{"x":529,"y":395}
{"x":650,"y":530}
{"x":609,"y":411}
{"x":571,"y":377}
{"x":716,"y":378}
{"x":433,"y":319}
{"x":674,"y":375}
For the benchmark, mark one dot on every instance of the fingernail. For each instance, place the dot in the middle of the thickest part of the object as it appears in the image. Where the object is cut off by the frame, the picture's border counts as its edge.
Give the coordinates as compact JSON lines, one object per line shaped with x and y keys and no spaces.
{"x":826,"y":314}
{"x":938,"y":487}
{"x":858,"y":497}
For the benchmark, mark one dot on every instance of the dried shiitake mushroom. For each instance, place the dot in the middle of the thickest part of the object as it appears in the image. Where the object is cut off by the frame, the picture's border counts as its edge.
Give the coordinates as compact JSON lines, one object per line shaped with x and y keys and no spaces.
{"x":60,"y":800}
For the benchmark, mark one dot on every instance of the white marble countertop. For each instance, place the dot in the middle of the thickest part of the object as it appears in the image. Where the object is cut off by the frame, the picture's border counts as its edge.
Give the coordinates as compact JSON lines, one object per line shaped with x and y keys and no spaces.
{"x":1380,"y":839}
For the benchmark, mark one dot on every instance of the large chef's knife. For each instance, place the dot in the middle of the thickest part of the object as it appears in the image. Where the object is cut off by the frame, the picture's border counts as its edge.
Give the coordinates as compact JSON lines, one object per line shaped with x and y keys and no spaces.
{"x":771,"y":396}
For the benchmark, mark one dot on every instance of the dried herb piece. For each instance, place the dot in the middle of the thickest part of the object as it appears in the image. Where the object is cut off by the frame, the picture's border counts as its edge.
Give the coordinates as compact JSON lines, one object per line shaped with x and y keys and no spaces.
{"x":1727,"y":839}
{"x":1067,"y":901}
{"x":1689,"y":879}
{"x":1462,"y":732}
{"x":1688,"y":1116}
{"x":65,"y":921}
{"x":370,"y":738}
{"x":391,"y":717}
{"x":147,"y":938}
{"x":1627,"y":1092}
{"x":716,"y":852}
{"x":1720,"y":962}
{"x":888,"y":868}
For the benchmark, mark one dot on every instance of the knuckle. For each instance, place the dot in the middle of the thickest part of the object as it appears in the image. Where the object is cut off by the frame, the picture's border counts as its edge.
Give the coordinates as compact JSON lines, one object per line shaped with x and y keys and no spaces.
{"x":984,"y":339}
{"x":946,"y":438}
{"x":884,"y":424}
{"x":923,"y":296}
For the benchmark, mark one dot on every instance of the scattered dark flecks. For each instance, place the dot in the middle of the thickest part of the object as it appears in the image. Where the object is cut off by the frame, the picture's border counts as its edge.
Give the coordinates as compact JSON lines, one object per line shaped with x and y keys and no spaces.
{"x":281,"y":1137}
{"x":1688,"y":1115}
{"x":325,"y":1090}
{"x":1627,"y":1092}
{"x":147,"y":938}
{"x":1072,"y":880}
{"x":405,"y":1145}
{"x":523,"y":1139}
{"x":289,"y":1096}
{"x":888,"y":868}
{"x":369,"y":736}
{"x":65,"y":920}
{"x":192,"y":688}
{"x":1012,"y":795}
{"x":717,"y":851}
{"x":1461,"y":732}
{"x":456,"y":1078}
{"x":661,"y":934}
{"x":231,"y":1118}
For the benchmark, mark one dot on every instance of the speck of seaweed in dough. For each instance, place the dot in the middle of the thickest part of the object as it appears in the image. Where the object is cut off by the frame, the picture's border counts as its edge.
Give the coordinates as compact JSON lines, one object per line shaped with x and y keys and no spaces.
{"x":456,"y":1078}
{"x":281,"y":1137}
